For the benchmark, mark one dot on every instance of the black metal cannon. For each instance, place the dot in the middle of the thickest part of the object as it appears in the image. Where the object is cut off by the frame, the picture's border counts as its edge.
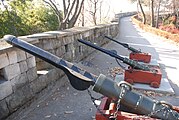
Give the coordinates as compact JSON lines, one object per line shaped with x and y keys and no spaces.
{"x":132,"y":63}
{"x":82,"y":80}
{"x":136,"y":73}
{"x":135,"y":54}
{"x":124,"y":45}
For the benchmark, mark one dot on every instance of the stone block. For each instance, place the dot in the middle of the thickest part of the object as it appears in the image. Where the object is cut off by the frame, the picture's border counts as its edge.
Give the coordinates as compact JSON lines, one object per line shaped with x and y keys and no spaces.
{"x":31,"y":62}
{"x":52,"y":51}
{"x":63,"y":49}
{"x":4,"y":111}
{"x":23,"y":66}
{"x":28,"y":93}
{"x":11,"y":71}
{"x":32,"y":74}
{"x":15,"y":100}
{"x":4,"y":61}
{"x":12,"y":55}
{"x":21,"y":55}
{"x":5,"y":89}
{"x":59,"y":52}
{"x":28,"y":55}
{"x":86,"y":34}
{"x":39,"y":84}
{"x":69,"y":56}
{"x":19,"y":98}
{"x":19,"y":81}
{"x":67,"y":40}
{"x":52,"y":75}
{"x":47,"y":45}
{"x":56,"y":44}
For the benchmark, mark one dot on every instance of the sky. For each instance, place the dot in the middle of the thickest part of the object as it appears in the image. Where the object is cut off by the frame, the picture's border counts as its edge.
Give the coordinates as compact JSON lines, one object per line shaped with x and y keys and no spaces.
{"x":121,"y":5}
{"x":117,"y":5}
{"x":111,"y":7}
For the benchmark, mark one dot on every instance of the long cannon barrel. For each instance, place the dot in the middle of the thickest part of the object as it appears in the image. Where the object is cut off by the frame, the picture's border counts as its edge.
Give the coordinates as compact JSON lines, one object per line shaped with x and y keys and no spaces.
{"x":132,"y":63}
{"x":81,"y":80}
{"x":124,"y":45}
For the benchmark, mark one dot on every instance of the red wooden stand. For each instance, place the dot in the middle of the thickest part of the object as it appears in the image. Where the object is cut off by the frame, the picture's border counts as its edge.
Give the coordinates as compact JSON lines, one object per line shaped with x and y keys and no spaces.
{"x":141,"y":57}
{"x":147,"y":77}
{"x":107,"y":109}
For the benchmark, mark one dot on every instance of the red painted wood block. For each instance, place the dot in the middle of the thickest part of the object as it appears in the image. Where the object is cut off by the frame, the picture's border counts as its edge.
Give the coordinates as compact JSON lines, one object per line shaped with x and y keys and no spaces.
{"x":146,"y":77}
{"x":141,"y":57}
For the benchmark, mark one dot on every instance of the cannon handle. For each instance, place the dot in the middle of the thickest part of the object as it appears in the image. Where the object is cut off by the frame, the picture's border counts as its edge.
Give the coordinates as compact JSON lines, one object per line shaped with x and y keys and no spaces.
{"x":79,"y":79}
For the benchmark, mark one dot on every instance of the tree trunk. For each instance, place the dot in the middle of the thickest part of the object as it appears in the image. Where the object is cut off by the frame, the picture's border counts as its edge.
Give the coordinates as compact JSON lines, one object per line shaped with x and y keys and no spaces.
{"x":157,"y":19}
{"x":62,"y":26}
{"x":152,"y":13}
{"x":94,"y":13}
{"x":83,"y":16}
{"x":143,"y":14}
{"x":74,"y":18}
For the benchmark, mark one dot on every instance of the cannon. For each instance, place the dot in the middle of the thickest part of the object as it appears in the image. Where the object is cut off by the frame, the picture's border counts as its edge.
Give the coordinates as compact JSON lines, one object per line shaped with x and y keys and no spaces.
{"x":120,"y":93}
{"x":136,"y":73}
{"x":135,"y":54}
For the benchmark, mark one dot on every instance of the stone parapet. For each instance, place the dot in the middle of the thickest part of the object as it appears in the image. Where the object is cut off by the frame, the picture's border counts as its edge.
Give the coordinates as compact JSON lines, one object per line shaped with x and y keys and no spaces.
{"x":121,"y":15}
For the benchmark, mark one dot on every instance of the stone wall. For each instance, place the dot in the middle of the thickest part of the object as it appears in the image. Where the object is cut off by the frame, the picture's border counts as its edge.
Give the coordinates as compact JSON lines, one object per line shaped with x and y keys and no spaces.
{"x":121,"y":15}
{"x":23,"y":76}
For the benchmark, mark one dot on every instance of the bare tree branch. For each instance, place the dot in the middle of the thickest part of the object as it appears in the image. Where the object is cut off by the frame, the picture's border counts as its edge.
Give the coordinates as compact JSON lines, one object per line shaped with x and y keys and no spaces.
{"x":54,"y":8}
{"x":68,"y":14}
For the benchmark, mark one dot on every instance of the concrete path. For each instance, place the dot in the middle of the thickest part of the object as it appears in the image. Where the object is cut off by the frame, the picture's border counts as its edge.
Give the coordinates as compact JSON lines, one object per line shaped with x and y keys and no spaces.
{"x":66,"y":103}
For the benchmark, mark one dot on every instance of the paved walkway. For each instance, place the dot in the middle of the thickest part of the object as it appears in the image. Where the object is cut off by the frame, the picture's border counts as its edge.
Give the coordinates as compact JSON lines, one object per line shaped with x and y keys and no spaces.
{"x":66,"y":103}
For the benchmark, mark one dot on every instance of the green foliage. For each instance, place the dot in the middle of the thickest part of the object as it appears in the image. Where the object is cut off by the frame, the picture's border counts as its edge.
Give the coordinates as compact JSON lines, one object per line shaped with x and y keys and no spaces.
{"x":23,"y":17}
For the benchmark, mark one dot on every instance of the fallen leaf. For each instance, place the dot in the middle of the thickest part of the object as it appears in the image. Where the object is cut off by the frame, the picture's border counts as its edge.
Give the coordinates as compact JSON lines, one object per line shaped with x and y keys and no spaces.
{"x":48,"y":116}
{"x":68,"y":112}
{"x":90,"y":109}
{"x":93,"y":117}
{"x":55,"y":114}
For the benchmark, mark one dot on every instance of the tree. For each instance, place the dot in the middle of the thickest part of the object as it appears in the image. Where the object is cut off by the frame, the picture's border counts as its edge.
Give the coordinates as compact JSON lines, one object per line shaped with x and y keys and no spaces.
{"x":152,"y":13}
{"x":71,"y":11}
{"x":22,"y":17}
{"x":10,"y":17}
{"x":93,"y":4}
{"x":141,"y":8}
{"x":158,"y":10}
{"x":143,"y":14}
